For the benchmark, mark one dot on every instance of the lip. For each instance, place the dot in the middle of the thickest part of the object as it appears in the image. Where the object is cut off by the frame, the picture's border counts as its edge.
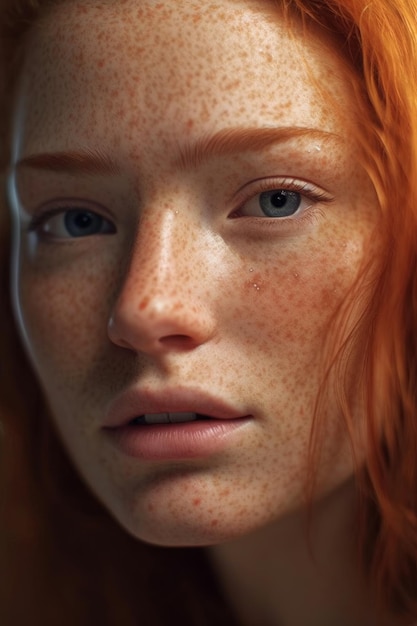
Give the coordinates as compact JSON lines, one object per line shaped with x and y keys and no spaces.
{"x":173,"y":441}
{"x":136,"y":402}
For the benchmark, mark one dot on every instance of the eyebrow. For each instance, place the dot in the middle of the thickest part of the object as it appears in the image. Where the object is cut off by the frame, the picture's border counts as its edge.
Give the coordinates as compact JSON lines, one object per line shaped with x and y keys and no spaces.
{"x":73,"y":162}
{"x":235,"y":140}
{"x":190,"y":155}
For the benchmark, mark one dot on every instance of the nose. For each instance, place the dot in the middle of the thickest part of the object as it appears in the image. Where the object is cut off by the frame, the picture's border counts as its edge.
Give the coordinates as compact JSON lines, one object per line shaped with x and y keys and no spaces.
{"x":163,"y":304}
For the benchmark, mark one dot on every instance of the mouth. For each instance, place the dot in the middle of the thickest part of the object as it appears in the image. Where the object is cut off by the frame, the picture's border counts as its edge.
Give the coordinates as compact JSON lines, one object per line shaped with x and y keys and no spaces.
{"x":173,"y":424}
{"x":180,"y":435}
{"x":169,"y":418}
{"x":140,"y":408}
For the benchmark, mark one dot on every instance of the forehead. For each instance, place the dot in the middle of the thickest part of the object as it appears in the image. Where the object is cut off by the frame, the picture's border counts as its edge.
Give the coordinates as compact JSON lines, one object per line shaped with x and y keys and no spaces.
{"x":170,"y":68}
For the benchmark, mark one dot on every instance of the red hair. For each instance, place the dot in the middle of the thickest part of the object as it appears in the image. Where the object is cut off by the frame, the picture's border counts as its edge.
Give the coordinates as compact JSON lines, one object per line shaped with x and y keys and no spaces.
{"x":381,"y":40}
{"x":43,"y":530}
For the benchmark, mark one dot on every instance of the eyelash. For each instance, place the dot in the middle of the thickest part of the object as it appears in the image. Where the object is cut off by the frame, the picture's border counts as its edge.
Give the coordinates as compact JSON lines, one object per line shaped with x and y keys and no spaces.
{"x":313,"y":193}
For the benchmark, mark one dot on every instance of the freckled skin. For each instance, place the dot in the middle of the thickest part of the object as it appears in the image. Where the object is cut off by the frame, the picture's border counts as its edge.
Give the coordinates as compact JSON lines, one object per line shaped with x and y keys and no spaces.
{"x":184,"y":294}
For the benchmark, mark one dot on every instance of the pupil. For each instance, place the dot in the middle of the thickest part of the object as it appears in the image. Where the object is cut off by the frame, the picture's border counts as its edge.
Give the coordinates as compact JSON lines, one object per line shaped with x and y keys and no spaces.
{"x":82,"y":220}
{"x":279,"y":199}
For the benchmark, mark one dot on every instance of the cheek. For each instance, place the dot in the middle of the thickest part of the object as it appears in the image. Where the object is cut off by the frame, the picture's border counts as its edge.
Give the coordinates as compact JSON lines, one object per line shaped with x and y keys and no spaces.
{"x":64,"y":313}
{"x":283,"y":317}
{"x":289,"y":300}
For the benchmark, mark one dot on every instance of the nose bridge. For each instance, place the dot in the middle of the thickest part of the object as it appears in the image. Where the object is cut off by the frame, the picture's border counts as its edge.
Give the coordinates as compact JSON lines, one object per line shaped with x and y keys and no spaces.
{"x":160,"y":259}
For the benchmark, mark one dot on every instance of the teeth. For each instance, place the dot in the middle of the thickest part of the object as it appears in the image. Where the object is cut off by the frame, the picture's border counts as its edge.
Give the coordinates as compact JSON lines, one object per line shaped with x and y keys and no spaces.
{"x":164,"y":418}
{"x":181,"y":417}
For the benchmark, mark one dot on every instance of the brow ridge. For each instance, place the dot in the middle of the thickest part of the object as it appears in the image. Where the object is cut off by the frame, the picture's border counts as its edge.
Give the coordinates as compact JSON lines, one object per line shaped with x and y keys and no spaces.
{"x":190,"y":155}
{"x":90,"y":161}
{"x":235,"y":140}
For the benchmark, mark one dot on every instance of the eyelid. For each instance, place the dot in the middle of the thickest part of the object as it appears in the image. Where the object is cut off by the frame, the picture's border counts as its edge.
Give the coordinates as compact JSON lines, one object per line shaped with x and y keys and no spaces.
{"x":250,"y":190}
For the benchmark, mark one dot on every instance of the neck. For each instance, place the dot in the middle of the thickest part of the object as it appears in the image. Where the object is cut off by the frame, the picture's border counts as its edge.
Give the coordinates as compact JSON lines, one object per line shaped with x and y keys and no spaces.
{"x":294,"y":574}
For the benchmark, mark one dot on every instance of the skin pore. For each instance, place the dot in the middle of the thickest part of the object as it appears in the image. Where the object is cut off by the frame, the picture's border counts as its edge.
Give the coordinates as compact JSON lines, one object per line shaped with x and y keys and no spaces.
{"x":185,"y":288}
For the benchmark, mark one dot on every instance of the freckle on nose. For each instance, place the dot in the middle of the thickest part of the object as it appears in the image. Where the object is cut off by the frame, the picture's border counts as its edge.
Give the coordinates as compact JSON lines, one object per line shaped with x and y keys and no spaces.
{"x":143,"y":304}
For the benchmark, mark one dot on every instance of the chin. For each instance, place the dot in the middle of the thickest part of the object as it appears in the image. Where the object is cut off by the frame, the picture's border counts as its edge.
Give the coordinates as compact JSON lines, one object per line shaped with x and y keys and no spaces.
{"x":195,"y":526}
{"x":173,"y":531}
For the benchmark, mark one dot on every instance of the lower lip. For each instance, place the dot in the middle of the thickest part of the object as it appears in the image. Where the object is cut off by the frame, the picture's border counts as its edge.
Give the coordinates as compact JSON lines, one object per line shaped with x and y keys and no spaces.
{"x":176,"y":441}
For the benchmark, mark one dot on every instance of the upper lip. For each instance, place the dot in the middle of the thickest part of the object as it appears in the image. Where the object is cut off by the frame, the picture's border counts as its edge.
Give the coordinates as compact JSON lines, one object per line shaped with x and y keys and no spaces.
{"x":136,"y":402}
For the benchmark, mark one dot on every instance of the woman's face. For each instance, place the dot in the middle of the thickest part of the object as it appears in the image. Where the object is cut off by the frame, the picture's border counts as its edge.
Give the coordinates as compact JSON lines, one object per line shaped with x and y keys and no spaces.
{"x":182,"y":251}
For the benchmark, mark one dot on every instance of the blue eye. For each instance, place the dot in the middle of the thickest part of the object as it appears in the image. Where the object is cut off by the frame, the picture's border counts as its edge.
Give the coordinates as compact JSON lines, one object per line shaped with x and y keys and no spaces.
{"x":80,"y":223}
{"x":71,"y":224}
{"x":279,"y":199}
{"x":280,"y":202}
